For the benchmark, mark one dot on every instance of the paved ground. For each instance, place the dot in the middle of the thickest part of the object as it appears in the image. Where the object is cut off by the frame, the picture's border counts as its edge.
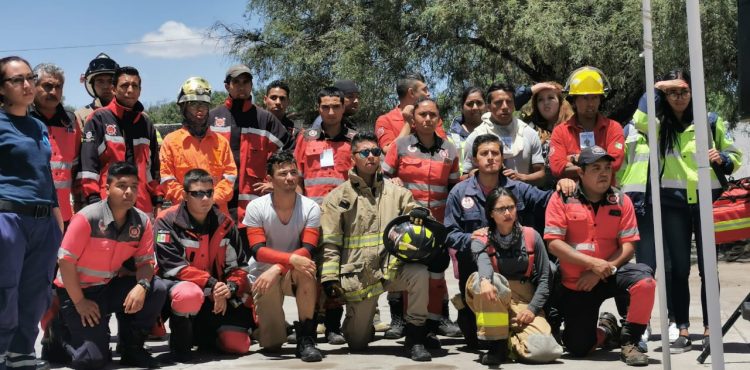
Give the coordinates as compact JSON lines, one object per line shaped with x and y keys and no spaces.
{"x":388,"y":354}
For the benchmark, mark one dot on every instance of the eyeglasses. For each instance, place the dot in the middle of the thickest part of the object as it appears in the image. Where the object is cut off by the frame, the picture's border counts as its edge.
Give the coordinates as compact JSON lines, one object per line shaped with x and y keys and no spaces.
{"x":502,"y":210}
{"x":19,"y":80}
{"x":200,"y":194}
{"x":678,"y":94}
{"x":366,"y":152}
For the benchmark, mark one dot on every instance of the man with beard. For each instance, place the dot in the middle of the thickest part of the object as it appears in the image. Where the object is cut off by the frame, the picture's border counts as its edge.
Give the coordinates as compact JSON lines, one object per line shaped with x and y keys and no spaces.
{"x":195,"y":146}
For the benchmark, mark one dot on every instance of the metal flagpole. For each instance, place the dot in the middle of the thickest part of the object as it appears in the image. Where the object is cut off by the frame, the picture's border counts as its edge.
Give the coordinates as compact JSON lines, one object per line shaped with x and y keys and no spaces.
{"x":704,"y":183}
{"x":661,"y":280}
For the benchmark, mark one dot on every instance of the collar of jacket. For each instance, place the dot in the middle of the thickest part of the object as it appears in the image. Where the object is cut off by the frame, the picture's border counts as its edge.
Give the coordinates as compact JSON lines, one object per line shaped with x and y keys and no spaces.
{"x":60,"y":118}
{"x":414,"y":140}
{"x":601,"y":122}
{"x":125,"y":113}
{"x":359,"y":183}
{"x":246,"y":103}
{"x":214,"y":219}
{"x":474,"y":188}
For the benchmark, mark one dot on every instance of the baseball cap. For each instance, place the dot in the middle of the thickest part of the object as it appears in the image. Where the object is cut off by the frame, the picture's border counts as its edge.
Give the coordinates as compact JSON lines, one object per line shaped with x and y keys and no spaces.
{"x":236,"y":70}
{"x":592,"y":154}
{"x":347,"y":86}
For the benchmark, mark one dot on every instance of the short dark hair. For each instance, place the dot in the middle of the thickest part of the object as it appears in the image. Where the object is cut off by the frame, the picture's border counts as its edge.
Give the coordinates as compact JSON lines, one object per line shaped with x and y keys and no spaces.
{"x":408,"y":81}
{"x":126,"y":70}
{"x":330,"y":91}
{"x":362,"y":137}
{"x":121,"y":169}
{"x":196,"y":175}
{"x":278,"y":83}
{"x":5,"y":61}
{"x":279,"y":158}
{"x":483,"y":139}
{"x":499,"y":86}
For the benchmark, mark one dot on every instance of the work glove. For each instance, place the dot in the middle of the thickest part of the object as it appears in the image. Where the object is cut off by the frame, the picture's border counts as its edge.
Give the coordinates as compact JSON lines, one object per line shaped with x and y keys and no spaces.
{"x":420,"y":213}
{"x":333,"y":289}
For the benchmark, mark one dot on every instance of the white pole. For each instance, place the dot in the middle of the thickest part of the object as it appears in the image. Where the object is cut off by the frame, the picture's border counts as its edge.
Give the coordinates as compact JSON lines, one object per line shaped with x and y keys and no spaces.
{"x":661,"y":279}
{"x":704,"y":183}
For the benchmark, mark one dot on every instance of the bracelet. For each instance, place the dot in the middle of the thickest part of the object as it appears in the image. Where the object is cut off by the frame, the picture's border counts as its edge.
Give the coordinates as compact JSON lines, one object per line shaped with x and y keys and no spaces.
{"x":145,"y":284}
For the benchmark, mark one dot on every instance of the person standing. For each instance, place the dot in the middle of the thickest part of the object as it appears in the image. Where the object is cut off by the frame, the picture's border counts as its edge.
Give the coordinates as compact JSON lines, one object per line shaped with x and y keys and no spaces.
{"x":98,"y":81}
{"x":31,"y":223}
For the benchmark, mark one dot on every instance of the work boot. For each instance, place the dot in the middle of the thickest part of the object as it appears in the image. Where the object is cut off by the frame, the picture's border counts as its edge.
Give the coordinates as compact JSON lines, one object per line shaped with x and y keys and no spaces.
{"x":397,"y":319}
{"x":608,"y":323}
{"x":133,"y":354}
{"x":448,"y":328}
{"x":629,"y":352}
{"x":415,"y":337}
{"x":53,"y":344}
{"x":377,"y":324}
{"x":181,"y":339}
{"x":431,"y":340}
{"x":497,"y":352}
{"x":333,"y":326}
{"x":306,"y":349}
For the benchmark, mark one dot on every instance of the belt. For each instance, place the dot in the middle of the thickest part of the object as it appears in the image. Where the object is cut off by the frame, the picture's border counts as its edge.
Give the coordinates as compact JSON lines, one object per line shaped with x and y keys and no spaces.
{"x":25,"y":210}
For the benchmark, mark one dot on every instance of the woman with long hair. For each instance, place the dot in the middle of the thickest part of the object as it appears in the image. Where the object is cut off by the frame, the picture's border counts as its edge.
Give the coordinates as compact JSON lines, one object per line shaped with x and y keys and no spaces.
{"x":30,"y":219}
{"x":679,"y":197}
{"x":510,"y":287}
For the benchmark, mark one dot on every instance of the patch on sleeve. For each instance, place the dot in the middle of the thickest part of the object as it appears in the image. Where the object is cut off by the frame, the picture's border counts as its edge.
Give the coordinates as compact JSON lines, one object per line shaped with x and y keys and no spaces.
{"x":618,"y":146}
{"x":163,"y":236}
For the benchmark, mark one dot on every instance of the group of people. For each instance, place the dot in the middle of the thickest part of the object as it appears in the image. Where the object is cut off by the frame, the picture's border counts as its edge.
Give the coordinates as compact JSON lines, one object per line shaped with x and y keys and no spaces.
{"x":539,"y":213}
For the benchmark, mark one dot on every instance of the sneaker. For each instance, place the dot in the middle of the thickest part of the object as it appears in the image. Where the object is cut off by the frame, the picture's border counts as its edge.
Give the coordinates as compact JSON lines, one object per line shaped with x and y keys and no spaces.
{"x":674,"y":333}
{"x":335,"y":338}
{"x":643,"y":343}
{"x":705,"y":343}
{"x":631,"y":356}
{"x":448,"y":328}
{"x":379,"y":325}
{"x":608,"y":323}
{"x":681,"y":345}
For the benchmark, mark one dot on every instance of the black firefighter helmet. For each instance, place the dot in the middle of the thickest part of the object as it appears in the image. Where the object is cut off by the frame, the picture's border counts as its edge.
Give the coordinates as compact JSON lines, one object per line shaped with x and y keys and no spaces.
{"x":414,"y":237}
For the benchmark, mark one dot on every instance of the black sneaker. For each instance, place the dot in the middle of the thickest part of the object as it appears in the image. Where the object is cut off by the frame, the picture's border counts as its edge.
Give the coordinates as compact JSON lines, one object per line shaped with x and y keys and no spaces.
{"x":705,"y":343}
{"x":681,"y":345}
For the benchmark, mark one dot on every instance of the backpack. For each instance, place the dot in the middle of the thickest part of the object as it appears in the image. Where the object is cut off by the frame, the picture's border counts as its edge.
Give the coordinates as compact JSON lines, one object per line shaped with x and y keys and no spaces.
{"x":529,"y":239}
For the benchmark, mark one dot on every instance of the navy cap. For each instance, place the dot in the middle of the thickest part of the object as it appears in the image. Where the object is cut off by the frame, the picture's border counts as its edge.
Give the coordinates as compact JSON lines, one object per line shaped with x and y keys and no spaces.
{"x":592,"y":154}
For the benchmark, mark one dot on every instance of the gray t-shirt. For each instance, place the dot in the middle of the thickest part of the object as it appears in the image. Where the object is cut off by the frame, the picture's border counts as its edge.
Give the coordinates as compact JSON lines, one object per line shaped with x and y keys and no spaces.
{"x":279,"y":236}
{"x":521,"y":144}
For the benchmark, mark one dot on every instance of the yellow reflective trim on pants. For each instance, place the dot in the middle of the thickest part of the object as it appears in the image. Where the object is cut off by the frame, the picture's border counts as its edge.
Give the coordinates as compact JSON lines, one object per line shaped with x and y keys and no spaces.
{"x":492,"y":319}
{"x":362,"y":294}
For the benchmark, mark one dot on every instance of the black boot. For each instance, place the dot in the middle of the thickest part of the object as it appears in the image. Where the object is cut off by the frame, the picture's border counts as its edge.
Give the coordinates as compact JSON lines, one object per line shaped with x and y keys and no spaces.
{"x":415,"y":338}
{"x":497,"y":352}
{"x":181,"y":338}
{"x":397,"y":319}
{"x":306,"y":349}
{"x":468,"y":324}
{"x":333,"y":325}
{"x":133,"y":354}
{"x":431,"y":340}
{"x":53,"y":345}
{"x":629,"y":337}
{"x":448,"y":328}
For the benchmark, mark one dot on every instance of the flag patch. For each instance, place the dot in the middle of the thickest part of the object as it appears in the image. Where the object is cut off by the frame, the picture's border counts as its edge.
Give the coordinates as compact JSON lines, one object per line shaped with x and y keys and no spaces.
{"x":162,"y":236}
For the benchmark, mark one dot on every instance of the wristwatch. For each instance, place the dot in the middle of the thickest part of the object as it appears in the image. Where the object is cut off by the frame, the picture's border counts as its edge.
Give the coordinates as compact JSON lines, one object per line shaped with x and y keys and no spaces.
{"x":614,"y":269}
{"x":145,"y":284}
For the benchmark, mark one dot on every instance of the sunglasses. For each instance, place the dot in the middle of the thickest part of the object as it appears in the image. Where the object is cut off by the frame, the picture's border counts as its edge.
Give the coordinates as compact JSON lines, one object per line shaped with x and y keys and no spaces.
{"x":19,"y":80}
{"x":199,"y":194}
{"x":366,"y":152}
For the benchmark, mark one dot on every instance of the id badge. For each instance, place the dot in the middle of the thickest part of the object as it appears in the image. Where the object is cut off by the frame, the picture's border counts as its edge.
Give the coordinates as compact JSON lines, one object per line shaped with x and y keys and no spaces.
{"x":586,"y":139}
{"x":326,"y":158}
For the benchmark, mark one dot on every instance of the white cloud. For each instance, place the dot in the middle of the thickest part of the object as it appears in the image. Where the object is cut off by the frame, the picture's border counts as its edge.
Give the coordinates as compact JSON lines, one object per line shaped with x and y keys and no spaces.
{"x":175,"y":40}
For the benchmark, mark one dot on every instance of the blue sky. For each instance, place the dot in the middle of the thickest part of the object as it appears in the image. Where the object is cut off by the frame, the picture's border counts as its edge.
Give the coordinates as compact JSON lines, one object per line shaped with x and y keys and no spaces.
{"x":163,"y":65}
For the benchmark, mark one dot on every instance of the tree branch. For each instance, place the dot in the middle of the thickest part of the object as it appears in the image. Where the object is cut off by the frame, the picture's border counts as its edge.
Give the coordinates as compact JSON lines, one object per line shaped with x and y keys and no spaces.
{"x":534,"y":74}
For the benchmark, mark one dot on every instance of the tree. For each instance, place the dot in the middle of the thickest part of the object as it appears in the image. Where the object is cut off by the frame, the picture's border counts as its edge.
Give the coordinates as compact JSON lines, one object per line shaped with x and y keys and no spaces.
{"x":457,"y":43}
{"x":168,"y":112}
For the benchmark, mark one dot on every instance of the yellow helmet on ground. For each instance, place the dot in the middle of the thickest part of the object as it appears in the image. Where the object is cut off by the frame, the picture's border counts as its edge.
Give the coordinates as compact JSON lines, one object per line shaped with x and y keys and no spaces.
{"x":587,"y":81}
{"x":194,"y":89}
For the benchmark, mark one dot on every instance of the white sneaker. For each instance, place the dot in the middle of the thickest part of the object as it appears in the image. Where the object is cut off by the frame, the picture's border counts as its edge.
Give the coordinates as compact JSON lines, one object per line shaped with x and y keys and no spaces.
{"x":674,"y":333}
{"x":647,"y":334}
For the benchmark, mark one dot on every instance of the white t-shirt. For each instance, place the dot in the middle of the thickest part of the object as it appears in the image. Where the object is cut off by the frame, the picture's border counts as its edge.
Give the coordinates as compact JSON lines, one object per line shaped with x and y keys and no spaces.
{"x":279,"y":236}
{"x":521,"y":144}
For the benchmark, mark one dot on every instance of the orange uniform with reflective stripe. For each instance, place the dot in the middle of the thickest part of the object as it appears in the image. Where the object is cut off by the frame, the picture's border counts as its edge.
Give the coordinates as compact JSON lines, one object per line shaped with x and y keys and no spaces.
{"x":601,"y":234}
{"x":98,"y":248}
{"x":181,"y":152}
{"x":388,"y":126}
{"x":320,"y":177}
{"x":428,"y":173}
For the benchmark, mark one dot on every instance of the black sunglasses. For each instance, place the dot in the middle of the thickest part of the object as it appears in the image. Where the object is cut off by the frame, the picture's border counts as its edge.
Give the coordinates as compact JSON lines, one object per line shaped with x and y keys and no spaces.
{"x":199,"y":194}
{"x":366,"y":152}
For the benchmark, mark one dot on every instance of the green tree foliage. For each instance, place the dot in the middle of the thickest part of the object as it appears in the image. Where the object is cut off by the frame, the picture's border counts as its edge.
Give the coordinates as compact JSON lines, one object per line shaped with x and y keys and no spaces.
{"x":457,"y":43}
{"x":169,"y":112}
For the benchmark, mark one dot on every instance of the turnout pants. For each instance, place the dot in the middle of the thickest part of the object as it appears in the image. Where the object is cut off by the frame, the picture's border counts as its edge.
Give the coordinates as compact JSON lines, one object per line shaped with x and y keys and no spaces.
{"x":413,"y":278}
{"x":269,"y":308}
{"x":495,"y":319}
{"x":28,"y":251}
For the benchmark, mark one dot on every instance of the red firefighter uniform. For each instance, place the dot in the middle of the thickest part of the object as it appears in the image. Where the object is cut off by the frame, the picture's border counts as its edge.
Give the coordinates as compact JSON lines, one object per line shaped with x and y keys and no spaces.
{"x":65,"y":139}
{"x":192,"y":259}
{"x":253,"y":134}
{"x":181,"y":152}
{"x":428,"y":173}
{"x":388,"y":126}
{"x":566,"y":141}
{"x":114,"y":134}
{"x":323,"y":162}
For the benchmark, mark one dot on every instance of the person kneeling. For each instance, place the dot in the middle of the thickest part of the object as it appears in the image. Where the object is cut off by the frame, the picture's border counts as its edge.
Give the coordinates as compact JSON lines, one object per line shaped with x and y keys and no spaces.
{"x":282,"y":228}
{"x":99,"y":239}
{"x":511,"y":286}
{"x":200,"y":256}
